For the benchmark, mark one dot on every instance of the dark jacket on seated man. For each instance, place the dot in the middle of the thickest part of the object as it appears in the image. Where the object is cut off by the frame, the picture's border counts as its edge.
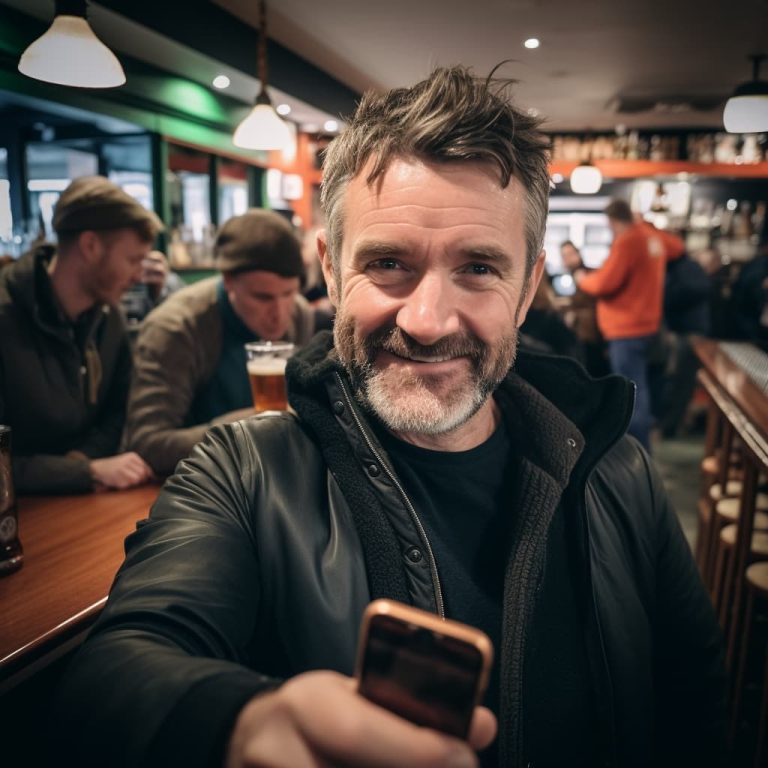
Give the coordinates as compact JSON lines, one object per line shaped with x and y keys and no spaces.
{"x":64,"y":354}
{"x":283,"y":570}
{"x":63,"y":386}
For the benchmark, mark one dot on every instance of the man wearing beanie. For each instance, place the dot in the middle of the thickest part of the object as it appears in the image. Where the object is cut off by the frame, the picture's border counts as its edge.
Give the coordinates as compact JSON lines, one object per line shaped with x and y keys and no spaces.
{"x":190,"y":367}
{"x":65,"y":359}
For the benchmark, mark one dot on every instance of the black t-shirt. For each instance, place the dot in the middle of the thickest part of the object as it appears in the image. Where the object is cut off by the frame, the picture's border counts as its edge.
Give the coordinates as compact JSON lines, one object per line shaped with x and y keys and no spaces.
{"x":463,"y":501}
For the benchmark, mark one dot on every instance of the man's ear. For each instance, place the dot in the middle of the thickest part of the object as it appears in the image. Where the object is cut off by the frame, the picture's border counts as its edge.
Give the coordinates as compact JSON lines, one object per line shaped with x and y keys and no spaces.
{"x":533,"y":283}
{"x":325,"y":263}
{"x":90,"y":246}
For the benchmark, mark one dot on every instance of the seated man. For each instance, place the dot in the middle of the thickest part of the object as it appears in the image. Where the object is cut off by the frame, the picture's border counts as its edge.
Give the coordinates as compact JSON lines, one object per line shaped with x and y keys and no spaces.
{"x":424,"y":463}
{"x":190,"y":368}
{"x":64,"y":355}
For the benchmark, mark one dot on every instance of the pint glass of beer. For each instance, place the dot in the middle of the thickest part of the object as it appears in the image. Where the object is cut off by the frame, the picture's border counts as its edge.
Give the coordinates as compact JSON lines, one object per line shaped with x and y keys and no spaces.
{"x":266,"y":371}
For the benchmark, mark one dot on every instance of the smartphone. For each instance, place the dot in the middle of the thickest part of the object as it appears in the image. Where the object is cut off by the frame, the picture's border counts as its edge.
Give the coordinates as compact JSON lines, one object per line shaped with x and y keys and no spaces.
{"x":429,"y":670}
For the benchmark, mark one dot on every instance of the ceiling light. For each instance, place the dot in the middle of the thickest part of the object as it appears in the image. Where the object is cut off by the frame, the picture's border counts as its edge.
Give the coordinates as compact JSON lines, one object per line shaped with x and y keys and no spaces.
{"x":331,"y":126}
{"x":221,"y":81}
{"x":532,"y":42}
{"x":586,"y":179}
{"x":262,"y":128}
{"x":69,"y":53}
{"x":747,"y":109}
{"x":283,"y":109}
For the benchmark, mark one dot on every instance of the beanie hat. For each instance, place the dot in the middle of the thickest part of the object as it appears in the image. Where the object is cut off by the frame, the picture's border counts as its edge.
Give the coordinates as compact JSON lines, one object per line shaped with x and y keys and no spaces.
{"x":259,"y":239}
{"x":95,"y":203}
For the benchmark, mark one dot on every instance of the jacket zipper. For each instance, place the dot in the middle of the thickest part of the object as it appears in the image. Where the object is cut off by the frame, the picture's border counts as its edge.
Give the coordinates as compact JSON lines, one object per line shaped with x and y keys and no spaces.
{"x":408,"y":505}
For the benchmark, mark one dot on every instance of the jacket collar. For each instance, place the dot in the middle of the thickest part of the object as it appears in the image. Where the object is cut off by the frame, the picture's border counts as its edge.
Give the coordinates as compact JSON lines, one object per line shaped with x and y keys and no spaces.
{"x":29,"y":285}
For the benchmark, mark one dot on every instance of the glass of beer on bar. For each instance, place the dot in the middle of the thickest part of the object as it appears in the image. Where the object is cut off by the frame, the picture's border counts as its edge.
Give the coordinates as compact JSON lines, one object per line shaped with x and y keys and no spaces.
{"x":266,"y":371}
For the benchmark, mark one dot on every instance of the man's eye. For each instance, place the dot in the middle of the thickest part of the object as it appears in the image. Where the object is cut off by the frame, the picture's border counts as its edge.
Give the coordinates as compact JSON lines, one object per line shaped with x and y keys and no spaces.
{"x":387,"y":264}
{"x":479,"y":269}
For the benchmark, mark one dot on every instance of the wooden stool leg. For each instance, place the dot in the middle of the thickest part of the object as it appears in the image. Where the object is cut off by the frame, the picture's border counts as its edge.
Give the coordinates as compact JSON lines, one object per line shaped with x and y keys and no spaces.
{"x":740,"y":559}
{"x":722,"y":587}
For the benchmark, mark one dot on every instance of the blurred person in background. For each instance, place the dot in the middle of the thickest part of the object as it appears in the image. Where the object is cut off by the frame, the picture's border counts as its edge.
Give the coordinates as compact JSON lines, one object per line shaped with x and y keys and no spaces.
{"x":544,"y":330}
{"x":65,"y":359}
{"x":750,"y":296}
{"x":629,"y":288}
{"x":687,"y":293}
{"x":190,"y":364}
{"x":581,"y":315}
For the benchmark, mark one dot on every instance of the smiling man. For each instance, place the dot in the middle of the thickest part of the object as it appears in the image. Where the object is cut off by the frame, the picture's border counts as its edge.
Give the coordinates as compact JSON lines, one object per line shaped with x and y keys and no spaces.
{"x":65,"y":359}
{"x":190,"y":368}
{"x":428,"y":463}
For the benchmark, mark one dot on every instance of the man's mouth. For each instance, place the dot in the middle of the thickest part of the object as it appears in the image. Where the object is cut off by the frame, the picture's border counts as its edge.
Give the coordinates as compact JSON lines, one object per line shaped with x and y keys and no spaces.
{"x":425,"y":358}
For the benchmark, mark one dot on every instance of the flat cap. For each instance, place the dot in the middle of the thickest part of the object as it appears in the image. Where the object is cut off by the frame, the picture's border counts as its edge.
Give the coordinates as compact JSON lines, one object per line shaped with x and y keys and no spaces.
{"x":93,"y":202}
{"x":259,"y":239}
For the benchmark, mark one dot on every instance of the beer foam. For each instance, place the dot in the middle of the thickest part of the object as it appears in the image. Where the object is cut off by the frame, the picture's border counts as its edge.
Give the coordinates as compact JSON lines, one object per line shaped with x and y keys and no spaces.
{"x":267,"y":366}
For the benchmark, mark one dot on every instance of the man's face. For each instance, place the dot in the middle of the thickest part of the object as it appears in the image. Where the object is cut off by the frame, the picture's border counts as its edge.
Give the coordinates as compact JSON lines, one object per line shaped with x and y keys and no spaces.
{"x":264,"y":301}
{"x":114,"y":263}
{"x":431,"y":291}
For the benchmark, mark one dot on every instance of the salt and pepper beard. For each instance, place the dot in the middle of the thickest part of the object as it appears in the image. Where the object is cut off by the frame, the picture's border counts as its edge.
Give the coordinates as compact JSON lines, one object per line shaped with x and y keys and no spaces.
{"x":402,"y":401}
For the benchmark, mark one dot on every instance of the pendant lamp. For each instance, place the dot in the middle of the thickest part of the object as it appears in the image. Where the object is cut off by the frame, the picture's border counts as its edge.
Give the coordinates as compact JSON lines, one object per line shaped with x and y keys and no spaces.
{"x":747,"y":110}
{"x":262,"y":128}
{"x":69,"y":53}
{"x":586,"y":179}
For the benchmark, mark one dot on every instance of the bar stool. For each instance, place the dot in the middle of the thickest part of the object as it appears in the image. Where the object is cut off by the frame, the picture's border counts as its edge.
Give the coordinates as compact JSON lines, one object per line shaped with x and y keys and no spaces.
{"x":728,"y":512}
{"x":756,"y":585}
{"x":720,"y":505}
{"x":722,"y":586}
{"x":720,"y":466}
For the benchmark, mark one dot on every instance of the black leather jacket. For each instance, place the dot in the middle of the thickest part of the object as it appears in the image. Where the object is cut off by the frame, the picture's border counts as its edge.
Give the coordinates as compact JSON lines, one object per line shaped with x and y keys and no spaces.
{"x":265,"y":547}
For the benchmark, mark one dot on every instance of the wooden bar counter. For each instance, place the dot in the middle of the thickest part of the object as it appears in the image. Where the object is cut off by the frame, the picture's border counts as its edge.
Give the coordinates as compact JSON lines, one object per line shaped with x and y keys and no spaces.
{"x":73,"y":546}
{"x":736,"y":383}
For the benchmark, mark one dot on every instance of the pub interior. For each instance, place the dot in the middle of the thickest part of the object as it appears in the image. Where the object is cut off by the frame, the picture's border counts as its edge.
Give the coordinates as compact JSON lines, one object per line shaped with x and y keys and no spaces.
{"x":633,"y":99}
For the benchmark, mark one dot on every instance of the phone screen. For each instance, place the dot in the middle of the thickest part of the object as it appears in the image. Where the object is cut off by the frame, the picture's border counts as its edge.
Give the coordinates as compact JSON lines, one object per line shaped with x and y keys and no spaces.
{"x":428,"y":678}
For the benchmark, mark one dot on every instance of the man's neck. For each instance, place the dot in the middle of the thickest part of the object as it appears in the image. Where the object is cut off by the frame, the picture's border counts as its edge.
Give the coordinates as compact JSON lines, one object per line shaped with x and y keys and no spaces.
{"x":67,"y":288}
{"x":469,"y":435}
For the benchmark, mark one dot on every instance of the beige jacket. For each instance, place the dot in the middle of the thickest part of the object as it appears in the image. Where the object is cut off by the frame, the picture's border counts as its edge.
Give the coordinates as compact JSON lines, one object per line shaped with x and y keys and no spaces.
{"x":176,"y":353}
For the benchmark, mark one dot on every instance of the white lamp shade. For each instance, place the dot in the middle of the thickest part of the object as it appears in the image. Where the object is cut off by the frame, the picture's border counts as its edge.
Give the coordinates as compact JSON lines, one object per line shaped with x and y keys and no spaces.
{"x":746,"y":114}
{"x":262,"y":129}
{"x":69,"y":53}
{"x":586,"y":180}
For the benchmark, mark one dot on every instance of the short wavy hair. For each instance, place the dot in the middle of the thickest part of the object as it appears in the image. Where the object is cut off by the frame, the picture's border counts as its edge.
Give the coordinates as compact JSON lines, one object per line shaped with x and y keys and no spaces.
{"x":452,"y":116}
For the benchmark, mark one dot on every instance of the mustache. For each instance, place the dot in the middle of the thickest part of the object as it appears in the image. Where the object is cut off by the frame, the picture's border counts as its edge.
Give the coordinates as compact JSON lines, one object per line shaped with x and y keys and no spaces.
{"x":397,"y":342}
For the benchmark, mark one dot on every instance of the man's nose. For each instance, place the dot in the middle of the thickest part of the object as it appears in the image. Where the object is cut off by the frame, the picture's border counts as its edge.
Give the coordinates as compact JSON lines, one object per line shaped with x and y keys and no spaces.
{"x":429,"y":312}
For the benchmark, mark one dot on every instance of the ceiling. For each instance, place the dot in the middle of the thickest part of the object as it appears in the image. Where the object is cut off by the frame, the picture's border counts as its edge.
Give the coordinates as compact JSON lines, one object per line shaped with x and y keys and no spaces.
{"x":685,"y":56}
{"x":601,"y":63}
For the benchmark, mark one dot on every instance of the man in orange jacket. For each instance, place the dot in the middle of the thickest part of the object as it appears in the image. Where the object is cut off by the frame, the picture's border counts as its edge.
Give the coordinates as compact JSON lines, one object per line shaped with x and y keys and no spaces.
{"x":629,"y":288}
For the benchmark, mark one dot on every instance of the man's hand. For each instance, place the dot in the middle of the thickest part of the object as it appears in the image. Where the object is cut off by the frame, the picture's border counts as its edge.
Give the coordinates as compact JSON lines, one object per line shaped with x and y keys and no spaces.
{"x":154,"y":272}
{"x":318,"y":719}
{"x":118,"y":472}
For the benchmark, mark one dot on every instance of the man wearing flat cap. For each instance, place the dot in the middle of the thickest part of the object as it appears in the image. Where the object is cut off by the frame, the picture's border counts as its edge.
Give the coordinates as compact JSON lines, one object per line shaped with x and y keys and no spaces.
{"x":190,"y":367}
{"x":65,"y":358}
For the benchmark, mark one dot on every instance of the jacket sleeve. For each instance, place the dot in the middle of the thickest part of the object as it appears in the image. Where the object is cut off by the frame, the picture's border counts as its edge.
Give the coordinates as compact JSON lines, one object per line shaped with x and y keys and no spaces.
{"x":167,"y":668}
{"x":46,"y":473}
{"x":611,"y":276}
{"x":165,"y":376}
{"x":689,"y":672}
